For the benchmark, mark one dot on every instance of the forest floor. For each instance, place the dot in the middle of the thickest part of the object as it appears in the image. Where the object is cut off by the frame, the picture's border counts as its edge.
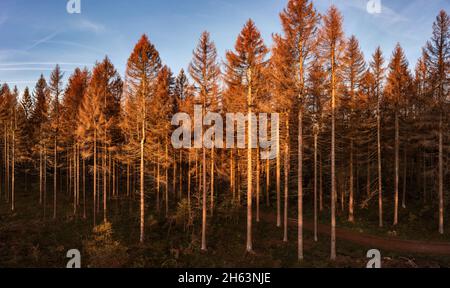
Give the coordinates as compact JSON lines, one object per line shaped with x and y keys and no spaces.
{"x":29,"y":240}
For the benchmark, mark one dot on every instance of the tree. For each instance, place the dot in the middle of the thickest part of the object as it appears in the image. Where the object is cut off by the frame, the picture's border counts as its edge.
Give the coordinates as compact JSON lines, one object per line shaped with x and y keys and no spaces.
{"x":56,"y":89}
{"x":40,"y":125}
{"x":292,"y":55}
{"x":354,"y":68}
{"x":331,"y":47}
{"x":397,"y":88}
{"x":438,"y":62}
{"x":378,"y":70}
{"x":205,"y":72}
{"x":73,"y":97}
{"x":245,"y":75}
{"x":143,"y":67}
{"x":96,"y":119}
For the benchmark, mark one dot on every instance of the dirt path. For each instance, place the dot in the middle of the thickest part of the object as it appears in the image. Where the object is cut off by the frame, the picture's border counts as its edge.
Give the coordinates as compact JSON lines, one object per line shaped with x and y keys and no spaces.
{"x":376,"y":242}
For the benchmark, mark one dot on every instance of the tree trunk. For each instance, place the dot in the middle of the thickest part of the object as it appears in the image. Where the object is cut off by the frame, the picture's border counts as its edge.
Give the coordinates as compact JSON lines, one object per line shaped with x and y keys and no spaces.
{"x":315,"y":188}
{"x":55,"y":165}
{"x":397,"y":143}
{"x":13,"y":160}
{"x":351,"y":217}
{"x":142,"y":192}
{"x":212,"y":181}
{"x":166,"y":196}
{"x":258,"y":171}
{"x":95,"y":178}
{"x":268,"y":183}
{"x":300,"y":184}
{"x":333,"y":158}
{"x":249,"y":175}
{"x":441,"y":177}
{"x":278,"y":180}
{"x":286,"y":179}
{"x":204,"y":248}
{"x":380,"y":179}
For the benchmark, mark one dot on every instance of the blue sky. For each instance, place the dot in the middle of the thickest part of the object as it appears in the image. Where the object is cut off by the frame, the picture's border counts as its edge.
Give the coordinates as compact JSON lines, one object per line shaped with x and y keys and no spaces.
{"x":37,"y":34}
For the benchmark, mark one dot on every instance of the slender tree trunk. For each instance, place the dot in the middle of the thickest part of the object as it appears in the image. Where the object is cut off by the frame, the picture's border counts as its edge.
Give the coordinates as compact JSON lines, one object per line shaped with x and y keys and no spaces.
{"x":55,"y":165}
{"x":320,"y":183}
{"x":258,"y":171}
{"x":333,"y":158}
{"x":167,"y":180}
{"x":142,"y":192}
{"x":286,"y":179}
{"x":232,"y":178}
{"x":13,"y":161}
{"x":278,"y":180}
{"x":181,"y":175}
{"x":351,"y":217}
{"x":204,"y":248}
{"x":105,"y":192}
{"x":249,"y":172}
{"x":268,"y":183}
{"x":405,"y":169}
{"x":95,"y":177}
{"x":212,"y":181}
{"x":397,"y":143}
{"x":158,"y":181}
{"x":380,"y":179}
{"x":300,"y":184}
{"x":45,"y":182}
{"x":128,"y":178}
{"x":315,"y":188}
{"x":189,"y":184}
{"x":84,"y":189}
{"x":441,"y":177}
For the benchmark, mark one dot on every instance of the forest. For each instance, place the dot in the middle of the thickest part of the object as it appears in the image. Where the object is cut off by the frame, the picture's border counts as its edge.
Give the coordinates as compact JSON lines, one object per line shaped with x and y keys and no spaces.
{"x":362,"y":157}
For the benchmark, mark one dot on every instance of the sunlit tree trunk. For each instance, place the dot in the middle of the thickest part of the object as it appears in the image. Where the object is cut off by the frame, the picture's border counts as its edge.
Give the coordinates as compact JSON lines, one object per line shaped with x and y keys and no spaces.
{"x":95,"y":178}
{"x":380,"y":179}
{"x":212,"y":181}
{"x":232,"y":178}
{"x":397,"y":144}
{"x":278,"y":181}
{"x":166,"y":196}
{"x":13,"y":161}
{"x":351,"y":217}
{"x":300,"y":185}
{"x":405,"y":167}
{"x":315,"y":187}
{"x":142,"y":172}
{"x":84,"y":189}
{"x":204,"y":248}
{"x":286,"y":179}
{"x":258,"y":171}
{"x":267,"y":182}
{"x":333,"y":157}
{"x":249,"y":164}
{"x":441,"y":176}
{"x":55,"y":165}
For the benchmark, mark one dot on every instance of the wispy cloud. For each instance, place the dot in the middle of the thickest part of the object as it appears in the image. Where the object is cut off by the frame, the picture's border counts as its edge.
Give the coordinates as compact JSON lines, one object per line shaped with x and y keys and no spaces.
{"x":43,"y":40}
{"x":88,"y":25}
